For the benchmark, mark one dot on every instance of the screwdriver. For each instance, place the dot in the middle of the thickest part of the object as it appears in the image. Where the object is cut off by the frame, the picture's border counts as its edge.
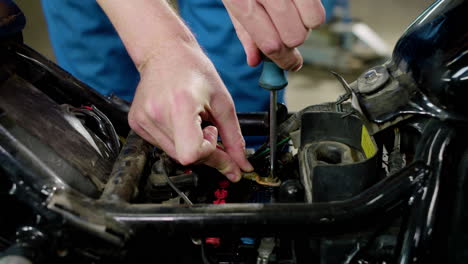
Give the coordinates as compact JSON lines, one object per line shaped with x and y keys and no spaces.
{"x":273,"y":78}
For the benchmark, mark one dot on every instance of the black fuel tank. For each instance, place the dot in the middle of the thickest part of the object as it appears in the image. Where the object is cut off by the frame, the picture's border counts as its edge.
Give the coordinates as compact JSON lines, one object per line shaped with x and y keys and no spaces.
{"x":434,"y":51}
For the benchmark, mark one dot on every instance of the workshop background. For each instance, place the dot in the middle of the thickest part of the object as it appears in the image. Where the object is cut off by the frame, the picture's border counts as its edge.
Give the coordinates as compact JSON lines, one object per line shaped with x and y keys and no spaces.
{"x":313,"y":84}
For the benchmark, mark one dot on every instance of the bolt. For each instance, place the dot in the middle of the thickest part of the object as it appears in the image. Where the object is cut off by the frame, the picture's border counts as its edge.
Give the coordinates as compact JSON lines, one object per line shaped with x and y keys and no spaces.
{"x":196,"y":241}
{"x":291,"y":189}
{"x":12,"y":189}
{"x":371,"y":76}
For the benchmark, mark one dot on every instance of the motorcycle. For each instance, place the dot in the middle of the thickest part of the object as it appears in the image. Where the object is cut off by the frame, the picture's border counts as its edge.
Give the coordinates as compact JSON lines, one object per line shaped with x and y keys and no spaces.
{"x":380,"y":175}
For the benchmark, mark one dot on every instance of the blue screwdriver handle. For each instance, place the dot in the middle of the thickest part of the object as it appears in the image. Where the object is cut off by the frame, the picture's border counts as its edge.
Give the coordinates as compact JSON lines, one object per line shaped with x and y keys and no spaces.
{"x":273,"y":77}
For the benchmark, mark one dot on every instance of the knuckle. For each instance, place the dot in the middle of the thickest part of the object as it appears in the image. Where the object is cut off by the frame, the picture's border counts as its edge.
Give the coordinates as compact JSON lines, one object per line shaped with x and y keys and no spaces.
{"x":242,"y":7}
{"x":211,"y":133}
{"x":154,"y":112}
{"x":196,"y":154}
{"x":183,"y":97}
{"x":230,"y":109}
{"x":316,"y":20}
{"x":242,"y":142}
{"x":271,"y":47}
{"x":224,"y":167}
{"x":187,"y":158}
{"x":135,"y":121}
{"x":296,"y":41}
{"x":134,"y":125}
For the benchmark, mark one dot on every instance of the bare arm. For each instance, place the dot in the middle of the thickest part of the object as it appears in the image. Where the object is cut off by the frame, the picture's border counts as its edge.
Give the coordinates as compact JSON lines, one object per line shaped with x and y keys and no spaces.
{"x":179,"y":87}
{"x":148,"y":28}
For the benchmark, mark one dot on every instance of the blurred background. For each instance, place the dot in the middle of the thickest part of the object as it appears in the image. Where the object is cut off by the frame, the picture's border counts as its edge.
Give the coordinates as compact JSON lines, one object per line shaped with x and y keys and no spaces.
{"x":314,"y":83}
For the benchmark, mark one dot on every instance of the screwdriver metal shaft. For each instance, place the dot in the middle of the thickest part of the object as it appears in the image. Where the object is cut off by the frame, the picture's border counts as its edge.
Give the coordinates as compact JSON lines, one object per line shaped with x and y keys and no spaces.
{"x":273,"y":135}
{"x":273,"y":78}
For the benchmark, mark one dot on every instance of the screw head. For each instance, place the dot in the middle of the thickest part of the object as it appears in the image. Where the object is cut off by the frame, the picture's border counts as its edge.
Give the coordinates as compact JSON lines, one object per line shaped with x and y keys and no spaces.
{"x":373,"y":79}
{"x":371,"y":76}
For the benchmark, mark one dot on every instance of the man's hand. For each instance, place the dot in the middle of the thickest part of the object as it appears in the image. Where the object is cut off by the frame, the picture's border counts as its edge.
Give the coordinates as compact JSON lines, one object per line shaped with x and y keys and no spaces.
{"x":175,"y":94}
{"x":275,"y":27}
{"x":179,"y":87}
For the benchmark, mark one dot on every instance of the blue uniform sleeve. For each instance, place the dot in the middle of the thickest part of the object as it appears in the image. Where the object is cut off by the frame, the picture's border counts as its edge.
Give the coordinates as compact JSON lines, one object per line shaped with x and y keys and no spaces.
{"x":86,"y":44}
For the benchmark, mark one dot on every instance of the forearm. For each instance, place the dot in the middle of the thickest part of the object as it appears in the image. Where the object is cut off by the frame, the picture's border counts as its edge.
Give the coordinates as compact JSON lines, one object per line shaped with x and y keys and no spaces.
{"x":147,"y":27}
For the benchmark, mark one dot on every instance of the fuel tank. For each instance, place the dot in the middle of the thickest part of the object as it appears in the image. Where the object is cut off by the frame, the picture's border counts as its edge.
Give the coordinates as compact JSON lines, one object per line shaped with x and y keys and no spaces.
{"x":434,"y":52}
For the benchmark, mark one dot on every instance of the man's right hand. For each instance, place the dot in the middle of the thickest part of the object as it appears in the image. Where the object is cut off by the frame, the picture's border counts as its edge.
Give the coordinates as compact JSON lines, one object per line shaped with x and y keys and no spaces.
{"x":176,"y":92}
{"x":274,"y":27}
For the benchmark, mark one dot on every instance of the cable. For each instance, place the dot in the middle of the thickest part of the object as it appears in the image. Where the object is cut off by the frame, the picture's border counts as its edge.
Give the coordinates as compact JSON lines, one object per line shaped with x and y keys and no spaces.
{"x":103,"y":125}
{"x":114,"y":137}
{"x":34,"y":60}
{"x":293,"y":251}
{"x":203,"y":253}
{"x":266,"y":151}
{"x":177,"y":190}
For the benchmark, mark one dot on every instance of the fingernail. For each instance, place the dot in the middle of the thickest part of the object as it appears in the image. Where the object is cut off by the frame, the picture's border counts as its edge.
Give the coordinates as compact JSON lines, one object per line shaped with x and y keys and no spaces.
{"x":249,"y":167}
{"x":297,"y":68}
{"x":233,"y":177}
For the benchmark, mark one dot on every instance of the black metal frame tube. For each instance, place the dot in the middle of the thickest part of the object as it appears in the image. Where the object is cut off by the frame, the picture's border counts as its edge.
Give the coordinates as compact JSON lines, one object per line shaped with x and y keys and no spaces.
{"x":419,"y":227}
{"x":253,"y":124}
{"x":321,"y":218}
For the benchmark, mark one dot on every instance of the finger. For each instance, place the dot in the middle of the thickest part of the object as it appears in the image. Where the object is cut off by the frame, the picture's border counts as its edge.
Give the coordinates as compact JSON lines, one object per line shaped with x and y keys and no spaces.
{"x":154,"y":136}
{"x":287,"y":20}
{"x":311,"y":11}
{"x":224,"y":164}
{"x":219,"y":159}
{"x":255,"y":20}
{"x":190,"y":144}
{"x":251,"y":50}
{"x":225,"y":119}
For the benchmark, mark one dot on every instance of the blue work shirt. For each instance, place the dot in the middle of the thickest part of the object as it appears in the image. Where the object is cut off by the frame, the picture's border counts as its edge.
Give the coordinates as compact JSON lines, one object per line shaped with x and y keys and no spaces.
{"x":86,"y":44}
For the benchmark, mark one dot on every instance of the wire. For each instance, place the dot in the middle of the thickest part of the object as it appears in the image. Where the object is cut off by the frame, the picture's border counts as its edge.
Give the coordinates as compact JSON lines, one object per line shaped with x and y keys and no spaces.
{"x":266,"y":151}
{"x":177,"y":190}
{"x":114,"y":137}
{"x":103,"y":125}
{"x":293,"y":251}
{"x":203,"y":254}
{"x":34,"y":60}
{"x":112,"y":134}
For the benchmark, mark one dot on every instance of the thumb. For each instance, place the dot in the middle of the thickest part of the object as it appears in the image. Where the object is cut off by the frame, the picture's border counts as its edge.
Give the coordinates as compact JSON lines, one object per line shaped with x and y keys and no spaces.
{"x":219,"y":159}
